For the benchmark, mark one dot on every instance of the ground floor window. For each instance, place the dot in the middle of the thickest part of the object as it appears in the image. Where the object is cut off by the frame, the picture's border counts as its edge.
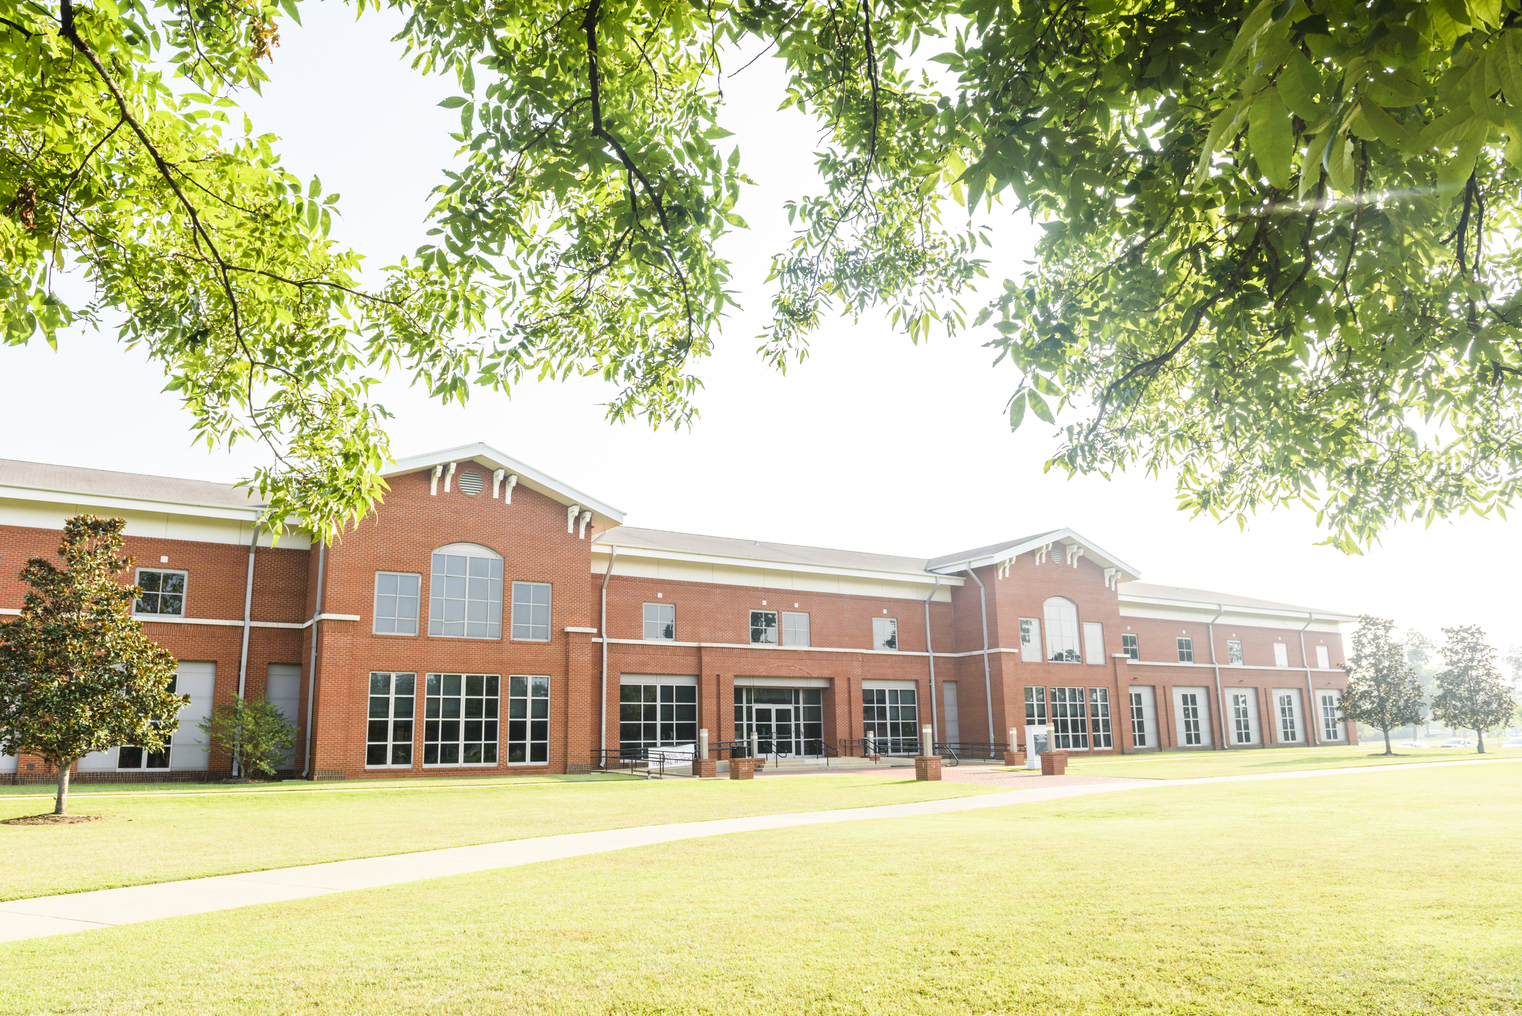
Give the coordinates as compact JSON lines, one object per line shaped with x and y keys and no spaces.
{"x":891,"y":716}
{"x":130,"y":756}
{"x":1189,"y":710}
{"x":528,"y":720}
{"x":655,"y":714}
{"x":1138,"y":720}
{"x":1329,"y":719}
{"x":1241,"y":716}
{"x":1288,"y":729}
{"x":1069,"y":722}
{"x":388,"y":737}
{"x":1099,"y":717}
{"x":789,"y":721}
{"x":460,"y":719}
{"x":1035,"y":706}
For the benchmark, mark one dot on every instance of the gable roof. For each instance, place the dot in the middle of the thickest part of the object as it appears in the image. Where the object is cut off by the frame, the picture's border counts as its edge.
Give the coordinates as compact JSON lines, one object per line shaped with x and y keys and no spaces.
{"x":27,"y":480}
{"x":1184,"y":594}
{"x":980,"y":557}
{"x":603,"y":514}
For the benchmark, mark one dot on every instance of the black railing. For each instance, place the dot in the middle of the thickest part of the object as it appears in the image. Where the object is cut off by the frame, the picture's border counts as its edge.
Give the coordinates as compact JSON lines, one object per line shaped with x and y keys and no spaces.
{"x":649,"y":762}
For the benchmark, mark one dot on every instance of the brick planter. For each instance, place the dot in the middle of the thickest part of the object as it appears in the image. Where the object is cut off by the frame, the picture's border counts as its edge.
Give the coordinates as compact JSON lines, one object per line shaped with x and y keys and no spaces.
{"x":705,"y":768}
{"x":743,"y":768}
{"x":1054,"y":763}
{"x":1015,"y":759}
{"x":927,"y":767}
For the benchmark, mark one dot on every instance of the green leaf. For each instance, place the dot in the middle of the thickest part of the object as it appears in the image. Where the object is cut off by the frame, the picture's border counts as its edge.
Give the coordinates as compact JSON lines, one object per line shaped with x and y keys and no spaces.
{"x":1039,"y":407}
{"x":1016,"y":410}
{"x":1270,"y":137}
{"x":1454,"y":173}
{"x":454,"y":102}
{"x":1253,"y":26}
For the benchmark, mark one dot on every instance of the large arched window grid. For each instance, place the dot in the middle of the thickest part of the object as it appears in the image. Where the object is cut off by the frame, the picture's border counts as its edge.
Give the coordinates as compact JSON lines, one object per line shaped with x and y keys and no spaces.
{"x":1062,"y":631}
{"x":465,"y":594}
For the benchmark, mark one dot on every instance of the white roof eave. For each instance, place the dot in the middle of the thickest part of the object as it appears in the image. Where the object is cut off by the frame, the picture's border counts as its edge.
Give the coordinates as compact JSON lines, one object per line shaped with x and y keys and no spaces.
{"x":528,"y":476}
{"x":925,"y":577}
{"x":1239,"y":608}
{"x":116,"y":501}
{"x":1092,"y":552}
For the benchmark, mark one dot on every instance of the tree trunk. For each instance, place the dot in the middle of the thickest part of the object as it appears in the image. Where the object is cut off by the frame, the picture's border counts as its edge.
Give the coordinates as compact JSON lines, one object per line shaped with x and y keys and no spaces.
{"x":1479,"y":738}
{"x":1387,"y":744}
{"x":61,"y":806}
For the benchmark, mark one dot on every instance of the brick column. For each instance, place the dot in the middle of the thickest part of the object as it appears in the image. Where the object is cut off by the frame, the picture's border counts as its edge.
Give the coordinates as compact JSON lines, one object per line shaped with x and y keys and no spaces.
{"x":582,"y":698}
{"x":927,"y":767}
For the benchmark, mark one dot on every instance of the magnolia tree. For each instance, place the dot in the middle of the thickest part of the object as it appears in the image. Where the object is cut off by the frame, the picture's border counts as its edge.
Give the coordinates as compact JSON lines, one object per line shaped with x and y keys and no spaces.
{"x":1471,"y":693}
{"x":253,"y":731}
{"x":77,"y":674}
{"x":1382,"y":687}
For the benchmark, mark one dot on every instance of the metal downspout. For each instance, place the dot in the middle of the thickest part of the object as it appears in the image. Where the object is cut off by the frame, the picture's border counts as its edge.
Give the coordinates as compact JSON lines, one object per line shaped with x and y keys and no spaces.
{"x":988,"y":685}
{"x":602,"y":726}
{"x":1312,"y":710}
{"x":935,"y":730}
{"x":322,"y":561}
{"x":1220,"y":699}
{"x":248,"y":618}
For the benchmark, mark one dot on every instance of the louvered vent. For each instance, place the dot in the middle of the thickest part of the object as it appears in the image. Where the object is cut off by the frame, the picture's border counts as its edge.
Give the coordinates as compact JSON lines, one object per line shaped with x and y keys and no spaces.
{"x":471,"y":482}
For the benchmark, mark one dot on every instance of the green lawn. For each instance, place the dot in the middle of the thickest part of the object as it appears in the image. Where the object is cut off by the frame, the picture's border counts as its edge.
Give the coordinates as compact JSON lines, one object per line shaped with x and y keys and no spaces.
{"x":1279,"y":897}
{"x":158,"y":836}
{"x":1183,"y":765}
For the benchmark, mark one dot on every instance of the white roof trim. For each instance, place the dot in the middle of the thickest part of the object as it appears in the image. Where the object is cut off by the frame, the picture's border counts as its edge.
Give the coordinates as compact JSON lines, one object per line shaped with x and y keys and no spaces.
{"x":1298,"y":614}
{"x":528,"y":476}
{"x":1092,"y":552}
{"x":46,"y":495}
{"x":917,"y":577}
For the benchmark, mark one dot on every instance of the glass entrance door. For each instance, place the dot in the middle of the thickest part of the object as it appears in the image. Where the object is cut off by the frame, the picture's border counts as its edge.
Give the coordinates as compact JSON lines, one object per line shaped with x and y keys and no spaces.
{"x":775,"y":730}
{"x":787,"y":721}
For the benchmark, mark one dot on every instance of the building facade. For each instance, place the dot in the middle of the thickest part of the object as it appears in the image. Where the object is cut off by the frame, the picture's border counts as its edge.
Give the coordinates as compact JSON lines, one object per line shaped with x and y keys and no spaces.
{"x":488,"y":618}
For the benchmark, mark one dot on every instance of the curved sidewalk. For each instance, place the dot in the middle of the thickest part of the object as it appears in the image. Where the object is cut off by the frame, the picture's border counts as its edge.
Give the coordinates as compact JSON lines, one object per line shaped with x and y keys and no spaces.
{"x":56,"y":915}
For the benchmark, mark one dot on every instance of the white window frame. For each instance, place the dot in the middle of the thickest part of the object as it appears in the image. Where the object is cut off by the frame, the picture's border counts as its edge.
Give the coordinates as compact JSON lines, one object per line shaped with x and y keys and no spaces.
{"x":1185,"y":649}
{"x":1192,"y":726}
{"x":1287,"y":704}
{"x":1331,"y":718}
{"x":763,"y":628}
{"x":536,"y":719}
{"x":1036,"y":714}
{"x":1093,"y":642}
{"x":491,"y":719}
{"x":1233,"y":653}
{"x":885,"y":634}
{"x":391,"y":715}
{"x":1241,"y":716}
{"x":439,"y":590}
{"x":1130,"y":644}
{"x":1281,"y":655}
{"x":1323,"y":658}
{"x":1070,"y":719}
{"x":795,"y":633}
{"x":1030,"y":640}
{"x":1100,"y":734}
{"x":398,"y":596}
{"x":1062,"y":645}
{"x":660,"y":617}
{"x":531,"y":627}
{"x":1138,"y":720}
{"x":183,"y":594}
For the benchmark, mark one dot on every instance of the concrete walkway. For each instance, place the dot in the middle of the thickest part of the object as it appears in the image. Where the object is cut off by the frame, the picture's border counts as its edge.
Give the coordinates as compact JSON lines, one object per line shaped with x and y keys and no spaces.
{"x":56,"y":915}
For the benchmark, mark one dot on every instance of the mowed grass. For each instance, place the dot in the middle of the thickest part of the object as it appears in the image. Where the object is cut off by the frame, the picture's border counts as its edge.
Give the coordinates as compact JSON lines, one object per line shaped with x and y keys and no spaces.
{"x":1279,"y":897}
{"x":1183,"y":765}
{"x":153,"y":837}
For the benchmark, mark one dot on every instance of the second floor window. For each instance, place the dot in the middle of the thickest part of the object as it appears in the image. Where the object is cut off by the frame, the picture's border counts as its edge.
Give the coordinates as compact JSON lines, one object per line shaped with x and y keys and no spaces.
{"x":1128,"y":643}
{"x":163,"y":592}
{"x":885,"y":633}
{"x":465,"y":593}
{"x":763,"y":627}
{"x":1062,"y":631}
{"x":531,"y":611}
{"x":396,"y":603}
{"x":660,"y":622}
{"x":795,"y":629}
{"x":1186,"y":650}
{"x":1233,"y":653}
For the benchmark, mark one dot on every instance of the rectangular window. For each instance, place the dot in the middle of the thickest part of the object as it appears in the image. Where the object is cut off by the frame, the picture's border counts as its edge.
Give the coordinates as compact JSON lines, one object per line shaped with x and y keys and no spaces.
{"x":789,"y":721}
{"x":891,"y":716}
{"x":1233,"y":653}
{"x":465,"y":594}
{"x":460,"y":719}
{"x":1189,"y":711}
{"x":1288,"y":728}
{"x":1330,"y":722}
{"x":528,"y":720}
{"x":1069,"y":721}
{"x":1138,"y":720}
{"x":1035,"y":706}
{"x":1281,"y":654}
{"x":396,"y":602}
{"x":531,"y":611}
{"x":1099,"y":718}
{"x":1186,"y":650}
{"x":1094,"y":641}
{"x":1030,"y":640}
{"x":1128,"y":643}
{"x":163,"y":592}
{"x":656,"y":714}
{"x":884,"y":633}
{"x":1323,"y":658}
{"x":388,"y":740}
{"x":660,"y":622}
{"x":763,"y":627}
{"x":1241,"y":717}
{"x":795,"y":629}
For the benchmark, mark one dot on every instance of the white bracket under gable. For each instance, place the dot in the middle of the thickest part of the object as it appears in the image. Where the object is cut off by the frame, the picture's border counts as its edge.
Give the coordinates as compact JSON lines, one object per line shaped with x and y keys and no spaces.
{"x":449,"y":476}
{"x":1042,"y":551}
{"x":507,"y":492}
{"x":1112,"y":578}
{"x":581,"y":534}
{"x":433,"y":481}
{"x":1004,"y":567}
{"x":1074,"y":552}
{"x":570,"y":517}
{"x":496,"y":482}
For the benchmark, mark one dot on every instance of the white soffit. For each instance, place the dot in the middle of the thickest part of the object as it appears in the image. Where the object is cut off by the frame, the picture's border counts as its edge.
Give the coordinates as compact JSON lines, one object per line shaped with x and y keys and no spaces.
{"x":605,"y":545}
{"x":1091,"y":552}
{"x":606,"y":515}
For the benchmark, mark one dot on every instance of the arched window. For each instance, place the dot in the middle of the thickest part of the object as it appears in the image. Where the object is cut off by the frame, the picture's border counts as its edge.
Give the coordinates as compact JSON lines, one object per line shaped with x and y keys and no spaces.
{"x":465,"y":595}
{"x":1062,"y":631}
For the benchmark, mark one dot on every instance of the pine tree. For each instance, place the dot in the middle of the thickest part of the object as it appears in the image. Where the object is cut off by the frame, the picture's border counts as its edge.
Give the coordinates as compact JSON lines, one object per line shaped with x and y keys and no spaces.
{"x":1471,"y":694}
{"x":1382,"y":687}
{"x":77,"y":674}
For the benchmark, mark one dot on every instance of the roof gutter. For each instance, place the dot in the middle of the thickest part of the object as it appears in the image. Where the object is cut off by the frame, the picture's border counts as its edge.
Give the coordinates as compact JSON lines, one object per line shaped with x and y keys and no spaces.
{"x":1220,"y":698}
{"x":602,"y":723}
{"x":988,"y":685}
{"x":248,"y":622}
{"x":1310,"y":692}
{"x":322,"y":560}
{"x":935,"y":730}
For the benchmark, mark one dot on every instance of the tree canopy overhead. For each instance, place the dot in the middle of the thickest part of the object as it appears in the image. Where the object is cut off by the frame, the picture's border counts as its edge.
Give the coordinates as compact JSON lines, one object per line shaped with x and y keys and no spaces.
{"x":1278,"y":253}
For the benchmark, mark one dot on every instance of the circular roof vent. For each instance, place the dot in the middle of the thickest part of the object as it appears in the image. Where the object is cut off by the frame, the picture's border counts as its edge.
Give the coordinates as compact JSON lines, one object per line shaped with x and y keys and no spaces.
{"x":471,"y":482}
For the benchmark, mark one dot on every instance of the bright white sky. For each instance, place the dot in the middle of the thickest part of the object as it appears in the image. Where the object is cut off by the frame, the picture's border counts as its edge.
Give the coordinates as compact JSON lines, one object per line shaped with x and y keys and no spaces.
{"x":872,"y":444}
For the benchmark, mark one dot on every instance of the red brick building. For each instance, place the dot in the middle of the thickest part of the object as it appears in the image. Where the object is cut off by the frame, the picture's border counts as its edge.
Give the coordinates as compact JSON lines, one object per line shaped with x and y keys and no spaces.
{"x":489,"y":618}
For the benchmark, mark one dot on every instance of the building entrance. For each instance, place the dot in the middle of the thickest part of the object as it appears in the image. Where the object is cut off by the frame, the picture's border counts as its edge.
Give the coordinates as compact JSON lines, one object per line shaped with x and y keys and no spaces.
{"x":787,"y":721}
